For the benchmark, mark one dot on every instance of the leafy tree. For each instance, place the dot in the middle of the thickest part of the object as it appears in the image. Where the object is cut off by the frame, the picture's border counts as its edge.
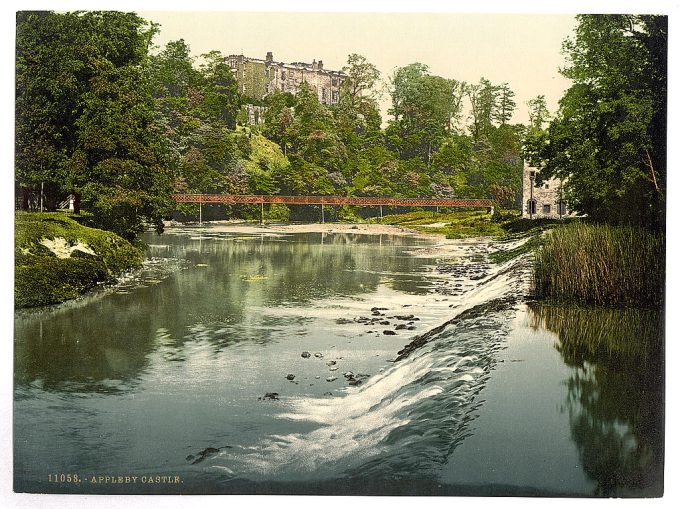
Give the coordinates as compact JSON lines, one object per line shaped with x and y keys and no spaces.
{"x":220,"y":98}
{"x":608,"y":138}
{"x":278,"y":118}
{"x":423,"y":109}
{"x":172,"y":71}
{"x":483,"y":99}
{"x":84,"y":115}
{"x":361,"y":78}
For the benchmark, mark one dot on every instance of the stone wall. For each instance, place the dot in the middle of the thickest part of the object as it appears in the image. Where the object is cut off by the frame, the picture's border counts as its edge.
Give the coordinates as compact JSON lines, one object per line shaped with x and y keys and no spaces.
{"x":548,"y":196}
{"x":257,"y":78}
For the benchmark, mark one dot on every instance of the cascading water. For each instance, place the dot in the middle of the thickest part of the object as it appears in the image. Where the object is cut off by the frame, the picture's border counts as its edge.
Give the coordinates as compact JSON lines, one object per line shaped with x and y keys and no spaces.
{"x":402,"y":423}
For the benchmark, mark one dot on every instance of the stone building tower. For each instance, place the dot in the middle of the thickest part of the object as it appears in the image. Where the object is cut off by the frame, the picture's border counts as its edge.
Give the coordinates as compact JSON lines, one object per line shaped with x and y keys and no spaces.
{"x":544,"y":201}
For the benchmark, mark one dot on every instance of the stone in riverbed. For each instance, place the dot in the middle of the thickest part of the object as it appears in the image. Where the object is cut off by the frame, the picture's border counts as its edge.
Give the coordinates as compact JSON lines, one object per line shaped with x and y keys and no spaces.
{"x":306,"y":355}
{"x":331,"y":379}
{"x":331,"y":363}
{"x":389,"y":333}
{"x":205,"y":453}
{"x":270,"y":395}
{"x":290,"y":376}
{"x":318,"y":355}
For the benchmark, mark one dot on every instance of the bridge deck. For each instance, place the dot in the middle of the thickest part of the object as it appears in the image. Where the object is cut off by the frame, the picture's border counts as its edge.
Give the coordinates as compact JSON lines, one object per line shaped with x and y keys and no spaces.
{"x":331,"y":200}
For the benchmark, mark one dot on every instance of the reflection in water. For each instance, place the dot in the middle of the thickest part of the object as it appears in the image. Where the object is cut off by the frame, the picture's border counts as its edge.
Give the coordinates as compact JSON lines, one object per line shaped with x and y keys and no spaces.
{"x":615,"y":394}
{"x":103,"y":344}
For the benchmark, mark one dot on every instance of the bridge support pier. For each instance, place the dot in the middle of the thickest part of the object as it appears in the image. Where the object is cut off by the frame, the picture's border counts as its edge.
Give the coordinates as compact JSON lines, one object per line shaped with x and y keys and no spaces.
{"x":200,"y":212}
{"x":323,"y":217}
{"x":262,"y":213}
{"x":381,"y":213}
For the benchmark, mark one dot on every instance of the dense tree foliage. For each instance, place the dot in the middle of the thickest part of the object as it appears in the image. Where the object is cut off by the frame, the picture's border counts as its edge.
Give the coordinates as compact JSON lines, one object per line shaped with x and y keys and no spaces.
{"x":84,"y":121}
{"x":609,"y":137}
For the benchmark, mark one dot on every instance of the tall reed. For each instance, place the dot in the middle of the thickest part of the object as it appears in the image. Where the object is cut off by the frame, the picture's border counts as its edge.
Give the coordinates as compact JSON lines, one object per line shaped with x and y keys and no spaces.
{"x":616,"y":266}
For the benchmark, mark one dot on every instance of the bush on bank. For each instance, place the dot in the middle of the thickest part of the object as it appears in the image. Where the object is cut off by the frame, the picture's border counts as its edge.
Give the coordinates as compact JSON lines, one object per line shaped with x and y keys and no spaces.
{"x":42,"y":277}
{"x":603,"y":265}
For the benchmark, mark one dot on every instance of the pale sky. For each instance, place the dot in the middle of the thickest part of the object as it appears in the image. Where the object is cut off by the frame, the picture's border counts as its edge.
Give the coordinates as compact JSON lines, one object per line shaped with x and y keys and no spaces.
{"x":521,"y":49}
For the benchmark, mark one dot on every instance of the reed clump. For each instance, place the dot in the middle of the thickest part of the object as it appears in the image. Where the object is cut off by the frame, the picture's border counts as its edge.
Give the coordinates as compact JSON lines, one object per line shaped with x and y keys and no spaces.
{"x":617,"y":266}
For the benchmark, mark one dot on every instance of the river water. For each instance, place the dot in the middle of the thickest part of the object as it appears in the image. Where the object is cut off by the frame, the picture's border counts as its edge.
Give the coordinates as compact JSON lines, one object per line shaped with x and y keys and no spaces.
{"x":278,"y":363}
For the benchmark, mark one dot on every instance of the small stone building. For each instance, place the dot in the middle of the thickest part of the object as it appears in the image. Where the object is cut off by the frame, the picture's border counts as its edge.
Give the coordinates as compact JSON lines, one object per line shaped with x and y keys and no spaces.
{"x":542,"y":201}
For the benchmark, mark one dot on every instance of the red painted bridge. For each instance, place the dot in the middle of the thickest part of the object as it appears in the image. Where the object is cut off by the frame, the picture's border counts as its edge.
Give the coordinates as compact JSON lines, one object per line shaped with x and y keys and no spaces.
{"x":331,"y":200}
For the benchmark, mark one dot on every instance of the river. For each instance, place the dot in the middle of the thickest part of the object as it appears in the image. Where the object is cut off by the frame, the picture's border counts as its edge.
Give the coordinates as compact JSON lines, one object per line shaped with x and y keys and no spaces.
{"x":274,"y":362}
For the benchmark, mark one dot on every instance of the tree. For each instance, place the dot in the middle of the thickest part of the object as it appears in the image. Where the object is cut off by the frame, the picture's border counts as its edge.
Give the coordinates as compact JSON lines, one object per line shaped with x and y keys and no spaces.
{"x":483,"y":99}
{"x":423,"y":110}
{"x":220,"y":98}
{"x":361,"y":78}
{"x":538,"y":112}
{"x":608,"y":138}
{"x":506,"y":104}
{"x":85,"y":115}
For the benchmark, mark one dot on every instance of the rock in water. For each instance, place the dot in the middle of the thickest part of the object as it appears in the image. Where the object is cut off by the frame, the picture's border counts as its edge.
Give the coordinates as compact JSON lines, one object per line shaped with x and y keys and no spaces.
{"x":306,"y":355}
{"x":389,"y":333}
{"x":290,"y":376}
{"x":271,"y":395}
{"x":331,"y":379}
{"x":205,"y":453}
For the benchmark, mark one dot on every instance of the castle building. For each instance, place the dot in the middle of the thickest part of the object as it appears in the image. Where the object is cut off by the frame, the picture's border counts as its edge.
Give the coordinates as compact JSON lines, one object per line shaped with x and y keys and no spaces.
{"x":542,"y":201}
{"x":257,"y":78}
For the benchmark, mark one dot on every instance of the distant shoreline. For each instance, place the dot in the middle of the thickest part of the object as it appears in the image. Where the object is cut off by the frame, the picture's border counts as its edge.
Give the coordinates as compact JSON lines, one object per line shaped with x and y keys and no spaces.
{"x":444,"y":248}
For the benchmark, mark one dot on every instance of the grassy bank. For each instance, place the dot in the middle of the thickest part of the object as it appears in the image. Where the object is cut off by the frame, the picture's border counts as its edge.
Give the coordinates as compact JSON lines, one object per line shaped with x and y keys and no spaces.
{"x":601,"y":265}
{"x":57,"y":259}
{"x":454,"y":225}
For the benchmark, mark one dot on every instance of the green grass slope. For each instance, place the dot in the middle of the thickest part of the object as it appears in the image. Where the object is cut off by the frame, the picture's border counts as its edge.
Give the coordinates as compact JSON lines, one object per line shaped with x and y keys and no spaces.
{"x":84,"y":257}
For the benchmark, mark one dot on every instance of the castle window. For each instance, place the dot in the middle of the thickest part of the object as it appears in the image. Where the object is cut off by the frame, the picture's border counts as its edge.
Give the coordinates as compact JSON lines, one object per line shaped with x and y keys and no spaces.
{"x":323,"y":95}
{"x":283,"y":75}
{"x":334,"y":95}
{"x":334,"y":82}
{"x":546,"y":208}
{"x":547,"y":186}
{"x":561,"y":208}
{"x":531,"y":206}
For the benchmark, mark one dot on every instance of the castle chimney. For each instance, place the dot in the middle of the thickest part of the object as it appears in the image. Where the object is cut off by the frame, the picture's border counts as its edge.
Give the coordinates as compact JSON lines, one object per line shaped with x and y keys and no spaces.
{"x":270,"y":57}
{"x":320,"y":64}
